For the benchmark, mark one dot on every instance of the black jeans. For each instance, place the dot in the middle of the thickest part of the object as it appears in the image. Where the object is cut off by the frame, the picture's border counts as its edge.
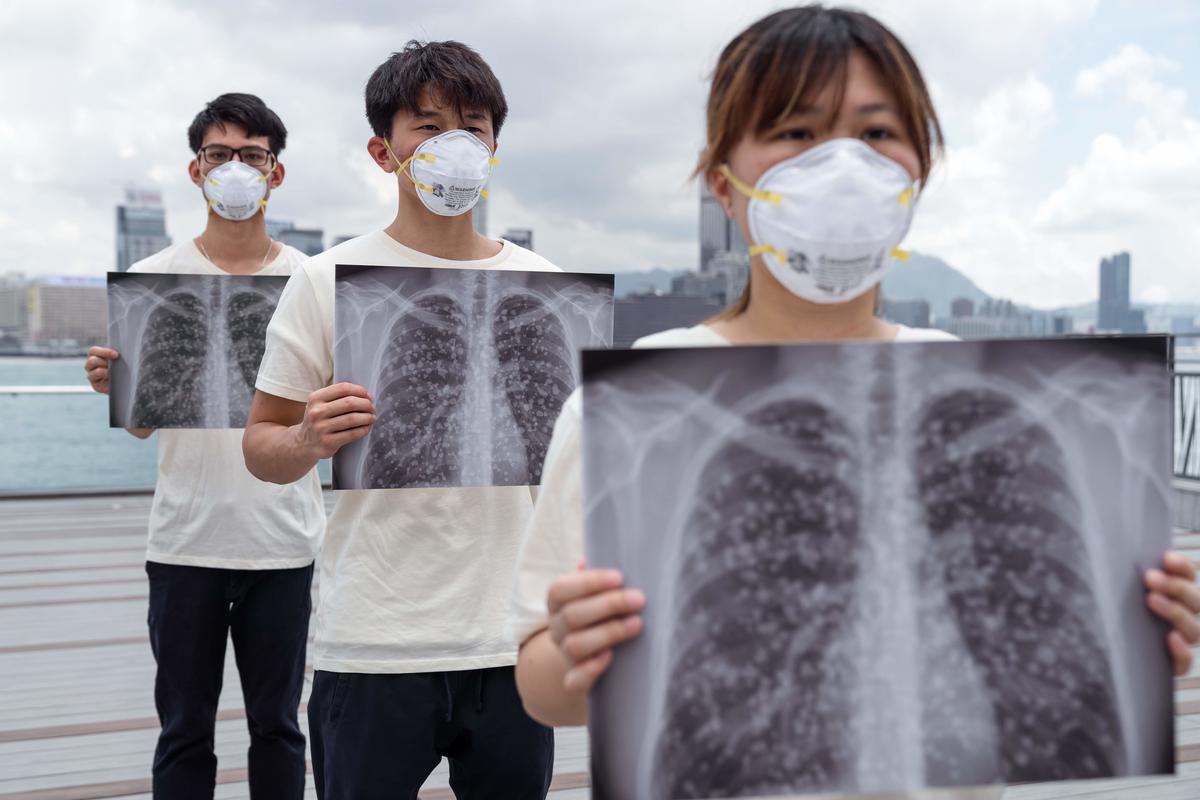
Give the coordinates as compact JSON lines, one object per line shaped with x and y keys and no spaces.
{"x":193,"y":610}
{"x":377,"y":737}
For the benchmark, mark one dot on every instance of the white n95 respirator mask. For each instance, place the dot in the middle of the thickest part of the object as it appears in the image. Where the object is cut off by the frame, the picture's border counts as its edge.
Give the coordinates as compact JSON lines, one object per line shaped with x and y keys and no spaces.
{"x":236,"y":191}
{"x":828,"y":221}
{"x":449,"y":171}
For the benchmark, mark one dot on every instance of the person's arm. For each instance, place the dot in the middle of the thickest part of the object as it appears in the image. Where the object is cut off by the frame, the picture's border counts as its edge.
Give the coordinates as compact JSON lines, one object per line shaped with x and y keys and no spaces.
{"x":590,"y":614}
{"x":96,"y":367}
{"x":1173,"y":595}
{"x":284,"y":439}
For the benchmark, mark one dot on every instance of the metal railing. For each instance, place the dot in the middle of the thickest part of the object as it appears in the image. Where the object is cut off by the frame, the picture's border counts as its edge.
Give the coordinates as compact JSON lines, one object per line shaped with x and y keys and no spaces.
{"x":1185,"y":392}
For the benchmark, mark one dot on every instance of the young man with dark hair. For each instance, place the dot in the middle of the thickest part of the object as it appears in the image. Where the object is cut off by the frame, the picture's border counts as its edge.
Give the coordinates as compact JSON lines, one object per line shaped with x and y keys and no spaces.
{"x":412,"y":659}
{"x":228,"y":553}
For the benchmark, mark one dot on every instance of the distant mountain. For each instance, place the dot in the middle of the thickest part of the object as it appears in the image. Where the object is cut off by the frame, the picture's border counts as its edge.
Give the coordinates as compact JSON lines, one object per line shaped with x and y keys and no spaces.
{"x":929,"y":278}
{"x":652,"y":280}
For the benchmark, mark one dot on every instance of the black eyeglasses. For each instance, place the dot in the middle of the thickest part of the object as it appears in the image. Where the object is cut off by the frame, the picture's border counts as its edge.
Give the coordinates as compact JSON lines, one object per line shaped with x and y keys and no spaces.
{"x":250,"y":155}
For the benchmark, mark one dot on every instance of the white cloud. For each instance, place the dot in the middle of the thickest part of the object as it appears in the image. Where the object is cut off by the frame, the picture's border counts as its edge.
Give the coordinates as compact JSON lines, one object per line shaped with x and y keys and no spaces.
{"x":1140,"y":193}
{"x":606,"y":120}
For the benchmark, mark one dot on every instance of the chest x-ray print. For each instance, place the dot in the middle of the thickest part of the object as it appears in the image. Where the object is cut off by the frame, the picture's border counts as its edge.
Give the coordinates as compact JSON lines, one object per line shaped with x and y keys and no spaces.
{"x":469,"y":369}
{"x":879,"y":567}
{"x":190,"y":347}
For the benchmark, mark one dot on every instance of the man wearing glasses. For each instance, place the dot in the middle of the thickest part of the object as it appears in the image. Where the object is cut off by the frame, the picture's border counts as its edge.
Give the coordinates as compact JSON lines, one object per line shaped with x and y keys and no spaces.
{"x":228,"y":553}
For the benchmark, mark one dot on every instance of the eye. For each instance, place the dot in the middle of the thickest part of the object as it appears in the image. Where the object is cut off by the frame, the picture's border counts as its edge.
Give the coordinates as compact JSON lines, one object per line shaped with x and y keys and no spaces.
{"x":877,"y":134}
{"x":473,"y":129}
{"x":428,"y":127}
{"x":797,"y":134}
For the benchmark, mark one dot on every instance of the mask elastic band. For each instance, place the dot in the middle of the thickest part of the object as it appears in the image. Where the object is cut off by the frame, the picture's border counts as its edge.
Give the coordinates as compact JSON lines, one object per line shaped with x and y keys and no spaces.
{"x":759,"y":249}
{"x":774,"y":198}
{"x":906,"y":197}
{"x":403,"y":165}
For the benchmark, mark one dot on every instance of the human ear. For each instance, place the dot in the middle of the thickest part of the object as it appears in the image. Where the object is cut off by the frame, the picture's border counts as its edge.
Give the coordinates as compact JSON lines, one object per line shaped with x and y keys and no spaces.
{"x":194,"y":172}
{"x":377,"y":146}
{"x":718,"y":184}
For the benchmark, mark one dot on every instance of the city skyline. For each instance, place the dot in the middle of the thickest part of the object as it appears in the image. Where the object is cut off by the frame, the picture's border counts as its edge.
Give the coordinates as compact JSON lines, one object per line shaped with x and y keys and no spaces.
{"x":1073,"y":130}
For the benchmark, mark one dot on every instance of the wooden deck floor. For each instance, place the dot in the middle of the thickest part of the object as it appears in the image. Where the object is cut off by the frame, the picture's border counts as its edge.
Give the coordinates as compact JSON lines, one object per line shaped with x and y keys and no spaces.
{"x":76,"y":675}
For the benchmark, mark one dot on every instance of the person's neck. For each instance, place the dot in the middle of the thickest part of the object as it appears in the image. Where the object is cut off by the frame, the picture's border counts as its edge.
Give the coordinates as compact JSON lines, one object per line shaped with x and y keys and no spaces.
{"x":774,"y":314}
{"x":239,"y":248}
{"x":451,"y":238}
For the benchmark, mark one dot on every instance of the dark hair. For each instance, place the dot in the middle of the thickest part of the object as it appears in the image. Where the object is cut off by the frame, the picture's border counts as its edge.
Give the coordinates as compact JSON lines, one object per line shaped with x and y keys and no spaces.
{"x":451,"y":71}
{"x":780,"y":62}
{"x":246,"y":111}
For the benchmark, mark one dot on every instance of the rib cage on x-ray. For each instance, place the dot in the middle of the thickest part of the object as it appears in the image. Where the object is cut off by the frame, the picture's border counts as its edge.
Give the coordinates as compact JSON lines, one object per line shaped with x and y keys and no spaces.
{"x":192,"y":345}
{"x":1005,"y":548}
{"x":533,"y":372}
{"x":756,"y":707}
{"x":759,"y":659}
{"x":471,"y":371}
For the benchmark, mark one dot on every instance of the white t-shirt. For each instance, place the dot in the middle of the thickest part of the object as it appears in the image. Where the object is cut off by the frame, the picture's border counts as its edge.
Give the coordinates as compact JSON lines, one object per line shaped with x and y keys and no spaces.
{"x":208,"y":510}
{"x":553,"y":541}
{"x":412,"y":580}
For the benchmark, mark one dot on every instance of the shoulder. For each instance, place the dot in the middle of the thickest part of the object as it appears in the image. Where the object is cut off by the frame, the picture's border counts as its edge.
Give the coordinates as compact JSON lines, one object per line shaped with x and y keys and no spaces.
{"x":162,"y":261}
{"x":695,"y":336}
{"x":907,"y":334}
{"x":520,"y":258}
{"x":289,"y":260}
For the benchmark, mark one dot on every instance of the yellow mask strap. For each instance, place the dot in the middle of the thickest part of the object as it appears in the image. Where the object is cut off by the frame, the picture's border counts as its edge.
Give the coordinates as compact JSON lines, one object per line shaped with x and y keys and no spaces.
{"x":900,"y":255}
{"x":906,"y":197}
{"x":760,"y":249}
{"x":774,"y":198}
{"x":402,"y":166}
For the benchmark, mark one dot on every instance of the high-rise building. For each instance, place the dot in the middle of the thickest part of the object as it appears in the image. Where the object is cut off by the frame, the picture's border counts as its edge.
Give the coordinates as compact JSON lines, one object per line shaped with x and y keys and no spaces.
{"x":521,"y":237}
{"x":962,"y":307}
{"x":1113,"y":313}
{"x":912,"y":313}
{"x":722,"y":282}
{"x":13,"y":303}
{"x":643,"y":314}
{"x":66,"y":310}
{"x":307,"y":240}
{"x":479,"y":217}
{"x":141,"y":227}
{"x":718,"y":233}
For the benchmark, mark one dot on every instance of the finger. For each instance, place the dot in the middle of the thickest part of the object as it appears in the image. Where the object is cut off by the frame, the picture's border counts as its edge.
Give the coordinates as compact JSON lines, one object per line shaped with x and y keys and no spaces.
{"x":1179,"y":565}
{"x":98,"y":374}
{"x":347,"y":405}
{"x":95,"y":362}
{"x":582,"y":677}
{"x":1181,"y":619}
{"x":594,"y":609}
{"x":105,"y":353}
{"x":333,"y":442}
{"x":1181,"y":653}
{"x":1181,"y":590}
{"x":582,"y":644}
{"x":338,"y":391}
{"x":580,"y":584}
{"x":346,"y":422}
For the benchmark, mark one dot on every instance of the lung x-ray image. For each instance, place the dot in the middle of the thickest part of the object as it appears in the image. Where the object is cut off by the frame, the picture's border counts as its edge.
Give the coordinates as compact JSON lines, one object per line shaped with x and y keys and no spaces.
{"x":880,"y":567}
{"x":190,"y":346}
{"x":469,"y":369}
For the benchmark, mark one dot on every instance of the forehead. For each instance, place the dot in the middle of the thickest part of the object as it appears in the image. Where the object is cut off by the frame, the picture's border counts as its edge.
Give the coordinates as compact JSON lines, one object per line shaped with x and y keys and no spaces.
{"x":431,"y":103}
{"x":233,"y":135}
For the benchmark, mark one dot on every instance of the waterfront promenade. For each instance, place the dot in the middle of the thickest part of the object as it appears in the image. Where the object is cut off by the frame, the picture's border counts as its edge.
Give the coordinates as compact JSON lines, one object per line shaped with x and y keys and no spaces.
{"x":76,"y":675}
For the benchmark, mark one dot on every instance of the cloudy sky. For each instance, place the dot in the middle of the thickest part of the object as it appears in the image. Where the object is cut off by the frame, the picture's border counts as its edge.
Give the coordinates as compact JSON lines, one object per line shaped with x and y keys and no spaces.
{"x":1073,"y":125}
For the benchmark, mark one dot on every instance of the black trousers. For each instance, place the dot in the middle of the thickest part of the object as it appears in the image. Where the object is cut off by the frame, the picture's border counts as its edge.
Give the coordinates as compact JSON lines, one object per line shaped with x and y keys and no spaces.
{"x":378,"y":737}
{"x":193,"y":610}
